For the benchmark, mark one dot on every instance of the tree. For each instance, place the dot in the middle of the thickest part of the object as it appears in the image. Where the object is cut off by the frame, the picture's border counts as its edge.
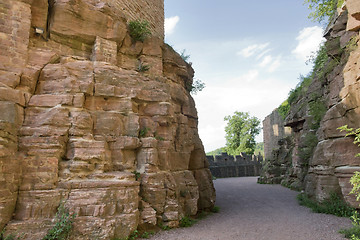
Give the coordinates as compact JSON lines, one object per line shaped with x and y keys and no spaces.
{"x":323,"y":9}
{"x":241,"y":131}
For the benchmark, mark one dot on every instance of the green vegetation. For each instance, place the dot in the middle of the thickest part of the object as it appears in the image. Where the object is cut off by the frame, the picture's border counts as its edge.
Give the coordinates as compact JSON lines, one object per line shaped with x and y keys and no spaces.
{"x":139,"y":30}
{"x":63,"y":225}
{"x":11,"y":236}
{"x":241,"y":130}
{"x":323,"y":65}
{"x":136,"y":234}
{"x":197,"y":86}
{"x":259,"y":149}
{"x":284,"y":109}
{"x":335,"y":205}
{"x":141,"y":67}
{"x":164,"y":227}
{"x":322,"y":10}
{"x":216,"y":152}
{"x":137,"y":175}
{"x":215,"y":209}
{"x":187,"y":222}
{"x":356,"y":134}
{"x":184,"y":56}
{"x":307,"y":148}
{"x":317,"y":110}
{"x":354,"y":232}
{"x":143,"y":132}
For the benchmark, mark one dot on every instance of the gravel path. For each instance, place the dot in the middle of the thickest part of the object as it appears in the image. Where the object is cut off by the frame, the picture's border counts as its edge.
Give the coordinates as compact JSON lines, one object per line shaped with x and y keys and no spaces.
{"x":251,"y":211}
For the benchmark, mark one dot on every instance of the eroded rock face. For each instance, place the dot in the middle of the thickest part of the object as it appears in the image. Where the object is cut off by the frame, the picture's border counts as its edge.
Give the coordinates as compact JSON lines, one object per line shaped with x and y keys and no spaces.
{"x":327,"y":159}
{"x":79,"y":125}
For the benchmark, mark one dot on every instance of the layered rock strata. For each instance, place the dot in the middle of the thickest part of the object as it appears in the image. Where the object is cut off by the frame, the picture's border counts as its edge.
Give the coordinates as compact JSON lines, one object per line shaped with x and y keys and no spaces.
{"x":79,"y":126}
{"x":323,"y":160}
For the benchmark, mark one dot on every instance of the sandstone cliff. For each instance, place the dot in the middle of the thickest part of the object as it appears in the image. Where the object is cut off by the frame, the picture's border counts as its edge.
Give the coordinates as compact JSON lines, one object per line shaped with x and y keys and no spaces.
{"x":79,"y":124}
{"x":316,"y":156}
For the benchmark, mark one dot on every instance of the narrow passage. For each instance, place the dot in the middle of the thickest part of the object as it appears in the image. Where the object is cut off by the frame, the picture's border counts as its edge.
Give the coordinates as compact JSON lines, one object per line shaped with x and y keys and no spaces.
{"x":251,"y":211}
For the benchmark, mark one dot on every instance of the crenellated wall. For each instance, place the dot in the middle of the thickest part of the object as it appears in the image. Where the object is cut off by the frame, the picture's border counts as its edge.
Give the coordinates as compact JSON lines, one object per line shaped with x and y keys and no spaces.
{"x":225,"y":166}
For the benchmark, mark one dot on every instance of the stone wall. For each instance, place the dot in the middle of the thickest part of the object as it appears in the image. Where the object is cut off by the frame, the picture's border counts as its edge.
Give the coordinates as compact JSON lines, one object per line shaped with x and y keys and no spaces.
{"x":224,"y":166}
{"x":322,"y":158}
{"x":150,"y":10}
{"x":277,"y":149}
{"x":80,"y":126}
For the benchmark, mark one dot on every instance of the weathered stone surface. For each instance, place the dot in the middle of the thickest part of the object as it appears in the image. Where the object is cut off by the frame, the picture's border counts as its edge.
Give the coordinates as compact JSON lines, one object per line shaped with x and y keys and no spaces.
{"x":323,"y":159}
{"x":81,"y":125}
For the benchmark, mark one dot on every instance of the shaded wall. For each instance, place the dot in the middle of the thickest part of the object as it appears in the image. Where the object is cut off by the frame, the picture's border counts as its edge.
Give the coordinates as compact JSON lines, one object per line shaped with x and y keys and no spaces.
{"x":224,"y":166}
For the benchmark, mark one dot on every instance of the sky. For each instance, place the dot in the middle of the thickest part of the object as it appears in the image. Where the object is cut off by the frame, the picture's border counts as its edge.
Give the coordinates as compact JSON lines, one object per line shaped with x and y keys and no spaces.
{"x":249,"y":54}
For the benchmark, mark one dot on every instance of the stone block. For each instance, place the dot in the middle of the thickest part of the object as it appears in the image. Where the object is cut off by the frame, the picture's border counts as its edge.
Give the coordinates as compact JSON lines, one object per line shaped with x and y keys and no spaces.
{"x":146,"y":156}
{"x":56,"y":116}
{"x":48,"y":100}
{"x":335,"y":152}
{"x":108,"y":123}
{"x":353,"y":8}
{"x":104,"y":51}
{"x":86,"y":24}
{"x":344,"y":174}
{"x":12,"y":95}
{"x":152,"y":109}
{"x":11,"y":112}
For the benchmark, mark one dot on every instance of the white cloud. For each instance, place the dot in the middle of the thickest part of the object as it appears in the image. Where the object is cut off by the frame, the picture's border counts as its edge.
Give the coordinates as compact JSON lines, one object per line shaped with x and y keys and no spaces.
{"x":275,"y":64}
{"x":253,"y":49}
{"x":263,"y":53}
{"x":271,"y":63}
{"x":243,"y":94}
{"x":170,"y":24}
{"x":266,"y":61}
{"x":309,"y":40}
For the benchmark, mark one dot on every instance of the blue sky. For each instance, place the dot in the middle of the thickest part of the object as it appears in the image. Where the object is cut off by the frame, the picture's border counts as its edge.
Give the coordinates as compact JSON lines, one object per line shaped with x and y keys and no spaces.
{"x":250,"y":54}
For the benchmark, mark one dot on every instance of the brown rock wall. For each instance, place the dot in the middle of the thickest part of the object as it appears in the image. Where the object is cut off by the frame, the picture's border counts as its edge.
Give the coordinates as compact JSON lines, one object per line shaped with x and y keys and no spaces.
{"x":332,"y":162}
{"x":79,"y":125}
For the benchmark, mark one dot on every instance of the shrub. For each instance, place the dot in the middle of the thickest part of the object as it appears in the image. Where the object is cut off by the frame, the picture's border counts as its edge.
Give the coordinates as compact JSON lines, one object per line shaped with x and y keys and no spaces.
{"x":333,"y":205}
{"x":215,"y":209}
{"x":139,"y":30}
{"x":308,"y":146}
{"x":284,"y":109}
{"x":11,"y":236}
{"x":197,"y":86}
{"x":323,"y":9}
{"x":354,"y":232}
{"x":184,"y":56}
{"x":63,"y":225}
{"x":187,"y":222}
{"x":141,"y":67}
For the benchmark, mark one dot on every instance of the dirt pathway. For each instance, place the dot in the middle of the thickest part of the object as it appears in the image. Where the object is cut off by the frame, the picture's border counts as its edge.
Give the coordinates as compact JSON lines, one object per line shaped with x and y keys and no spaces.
{"x":251,"y":211}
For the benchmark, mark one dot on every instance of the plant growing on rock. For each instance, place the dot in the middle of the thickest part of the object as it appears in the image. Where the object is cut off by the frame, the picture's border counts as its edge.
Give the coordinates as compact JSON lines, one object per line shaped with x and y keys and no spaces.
{"x":184,"y":56}
{"x":187,"y":222}
{"x":139,"y":30}
{"x":354,"y":232}
{"x":197,"y":86}
{"x":141,"y":67}
{"x":11,"y":236}
{"x":63,"y":225}
{"x":323,"y":9}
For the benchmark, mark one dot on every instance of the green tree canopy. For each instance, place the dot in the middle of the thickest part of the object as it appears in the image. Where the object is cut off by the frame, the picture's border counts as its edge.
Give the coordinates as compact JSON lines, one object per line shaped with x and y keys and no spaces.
{"x":241,"y":131}
{"x":322,"y":9}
